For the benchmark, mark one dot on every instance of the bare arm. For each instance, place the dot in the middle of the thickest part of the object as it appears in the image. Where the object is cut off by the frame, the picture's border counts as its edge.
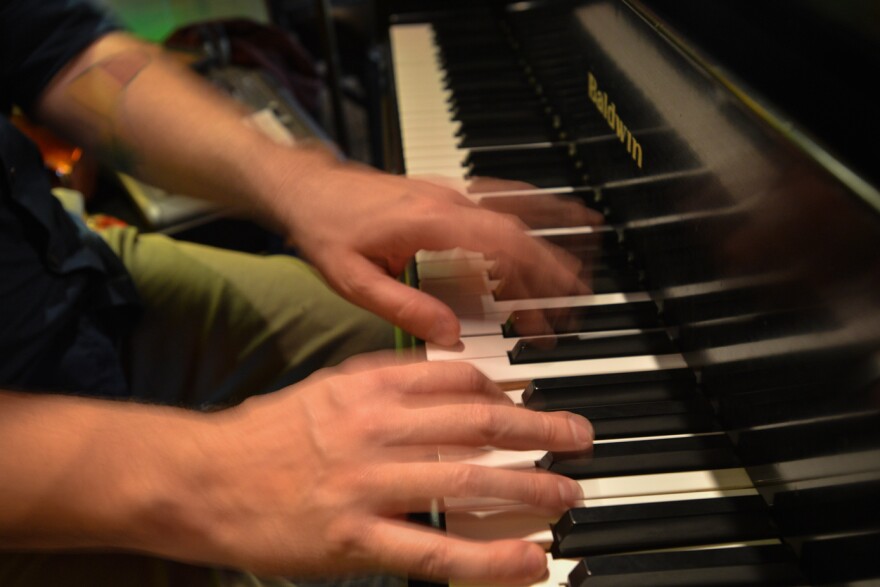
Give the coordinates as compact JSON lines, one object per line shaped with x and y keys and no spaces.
{"x":151,"y":117}
{"x":358,"y":226}
{"x":308,"y":481}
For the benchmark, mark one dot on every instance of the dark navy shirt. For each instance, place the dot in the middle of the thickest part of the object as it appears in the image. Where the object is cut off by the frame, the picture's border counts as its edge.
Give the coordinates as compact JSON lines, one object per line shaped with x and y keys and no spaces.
{"x":65,"y":300}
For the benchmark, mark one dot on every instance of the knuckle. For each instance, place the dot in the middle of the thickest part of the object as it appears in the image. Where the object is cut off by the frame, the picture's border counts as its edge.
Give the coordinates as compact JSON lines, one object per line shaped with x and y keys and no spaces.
{"x":355,"y":285}
{"x":487,"y":423}
{"x":372,"y":429}
{"x":550,"y":429}
{"x":536,"y":490}
{"x":430,"y":205}
{"x":409,"y":310}
{"x":433,"y":560}
{"x":470,"y":377}
{"x":468,"y":481}
{"x":511,"y":223}
{"x":350,"y":539}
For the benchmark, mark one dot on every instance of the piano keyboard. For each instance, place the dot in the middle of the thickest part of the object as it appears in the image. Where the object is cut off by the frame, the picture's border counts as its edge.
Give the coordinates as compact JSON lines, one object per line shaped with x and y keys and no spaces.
{"x":461,"y":279}
{"x":668,"y":501}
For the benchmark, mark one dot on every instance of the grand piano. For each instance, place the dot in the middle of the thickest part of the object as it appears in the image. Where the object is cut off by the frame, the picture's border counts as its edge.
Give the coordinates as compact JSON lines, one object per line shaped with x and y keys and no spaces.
{"x":729,"y":355}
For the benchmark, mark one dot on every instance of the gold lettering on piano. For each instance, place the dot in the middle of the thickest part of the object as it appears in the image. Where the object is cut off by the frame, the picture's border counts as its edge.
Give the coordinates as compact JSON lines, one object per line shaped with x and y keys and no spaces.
{"x":608,"y":110}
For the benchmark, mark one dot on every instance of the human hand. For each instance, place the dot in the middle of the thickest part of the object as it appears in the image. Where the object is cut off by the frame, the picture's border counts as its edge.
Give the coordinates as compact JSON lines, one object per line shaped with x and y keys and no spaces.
{"x":361,"y":227}
{"x":315,"y":480}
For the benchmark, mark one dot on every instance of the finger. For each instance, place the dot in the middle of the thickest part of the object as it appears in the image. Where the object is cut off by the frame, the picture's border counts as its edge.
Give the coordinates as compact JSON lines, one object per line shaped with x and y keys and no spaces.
{"x":453,"y":188}
{"x":365,"y":284}
{"x":490,"y":185}
{"x":427,"y":554}
{"x":549,"y":321}
{"x":531,"y":323}
{"x":521,"y":279}
{"x":483,"y":231}
{"x":396,"y":488}
{"x":493,"y":425}
{"x":448,"y":380}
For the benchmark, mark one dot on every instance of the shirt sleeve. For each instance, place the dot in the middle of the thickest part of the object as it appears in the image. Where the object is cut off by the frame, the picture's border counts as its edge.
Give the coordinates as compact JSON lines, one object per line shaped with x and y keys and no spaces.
{"x":37,"y":38}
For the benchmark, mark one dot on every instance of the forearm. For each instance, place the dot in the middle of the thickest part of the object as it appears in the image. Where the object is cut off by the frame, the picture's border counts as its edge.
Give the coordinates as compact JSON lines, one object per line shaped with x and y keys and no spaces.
{"x":82,"y":473}
{"x":151,"y":117}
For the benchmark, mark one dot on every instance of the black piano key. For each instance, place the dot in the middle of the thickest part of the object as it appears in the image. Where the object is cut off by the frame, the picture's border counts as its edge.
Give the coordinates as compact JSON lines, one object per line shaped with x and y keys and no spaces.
{"x":584,"y":319}
{"x":551,"y":173}
{"x":603,"y":238}
{"x":610,"y":529}
{"x":504,"y":158}
{"x":614,"y":281}
{"x":834,"y":509}
{"x":537,"y":168}
{"x":771,"y":564}
{"x":480,"y":67}
{"x":601,"y":245}
{"x":573,"y":347}
{"x":488,"y":50}
{"x":837,"y":559}
{"x":473,"y":136}
{"x":461,"y":78}
{"x":857,"y":431}
{"x":563,"y":393}
{"x":538,"y":178}
{"x":645,"y":457}
{"x":500,"y":119}
{"x":625,"y":281}
{"x":503,"y":83}
{"x":500,"y":114}
{"x":490,"y":101}
{"x":781,"y":404}
{"x":640,"y":409}
{"x":650,"y":418}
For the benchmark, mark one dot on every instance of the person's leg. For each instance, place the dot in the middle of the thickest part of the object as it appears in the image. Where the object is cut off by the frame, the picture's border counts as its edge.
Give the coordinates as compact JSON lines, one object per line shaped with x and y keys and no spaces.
{"x":123,"y":570}
{"x":221,"y":325}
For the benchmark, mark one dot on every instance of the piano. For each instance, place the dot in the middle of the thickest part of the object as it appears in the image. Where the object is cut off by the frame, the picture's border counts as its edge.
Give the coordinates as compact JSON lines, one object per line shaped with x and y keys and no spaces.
{"x":729,"y":355}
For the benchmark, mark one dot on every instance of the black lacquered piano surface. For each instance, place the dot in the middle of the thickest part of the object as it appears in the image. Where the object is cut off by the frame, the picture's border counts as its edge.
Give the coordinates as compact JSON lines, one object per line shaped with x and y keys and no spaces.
{"x":737,"y":244}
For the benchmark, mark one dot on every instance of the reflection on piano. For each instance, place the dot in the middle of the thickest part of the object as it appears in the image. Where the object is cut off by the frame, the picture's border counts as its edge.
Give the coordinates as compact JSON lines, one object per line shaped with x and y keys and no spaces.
{"x":729,"y":357}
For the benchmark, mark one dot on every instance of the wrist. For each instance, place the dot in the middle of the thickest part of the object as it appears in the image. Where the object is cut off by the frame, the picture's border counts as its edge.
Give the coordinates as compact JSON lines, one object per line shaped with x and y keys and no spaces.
{"x":162,"y":489}
{"x":286,"y":179}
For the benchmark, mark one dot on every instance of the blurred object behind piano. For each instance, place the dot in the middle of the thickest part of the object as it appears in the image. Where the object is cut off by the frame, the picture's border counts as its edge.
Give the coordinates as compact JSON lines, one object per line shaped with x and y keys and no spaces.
{"x":731,"y":147}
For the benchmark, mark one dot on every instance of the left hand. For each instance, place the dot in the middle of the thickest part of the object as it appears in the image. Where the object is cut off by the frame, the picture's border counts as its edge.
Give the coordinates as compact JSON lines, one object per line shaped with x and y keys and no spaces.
{"x":360,"y":227}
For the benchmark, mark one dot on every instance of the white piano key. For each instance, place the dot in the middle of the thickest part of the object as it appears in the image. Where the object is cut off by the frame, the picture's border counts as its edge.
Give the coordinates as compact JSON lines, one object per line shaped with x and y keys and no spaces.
{"x":449,"y":287}
{"x":453,"y":268}
{"x":478,"y":347}
{"x":558,"y":571}
{"x":522,"y":523}
{"x":496,"y":459}
{"x":424,"y":256}
{"x":634,"y":487}
{"x":472,"y":302}
{"x":486,"y":324}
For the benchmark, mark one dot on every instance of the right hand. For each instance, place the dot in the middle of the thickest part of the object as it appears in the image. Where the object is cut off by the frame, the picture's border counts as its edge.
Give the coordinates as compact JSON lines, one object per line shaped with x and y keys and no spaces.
{"x":315,"y":480}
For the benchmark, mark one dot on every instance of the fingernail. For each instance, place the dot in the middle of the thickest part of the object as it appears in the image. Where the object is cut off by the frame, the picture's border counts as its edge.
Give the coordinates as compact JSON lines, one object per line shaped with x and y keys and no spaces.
{"x":581,"y":429}
{"x":570,"y":491}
